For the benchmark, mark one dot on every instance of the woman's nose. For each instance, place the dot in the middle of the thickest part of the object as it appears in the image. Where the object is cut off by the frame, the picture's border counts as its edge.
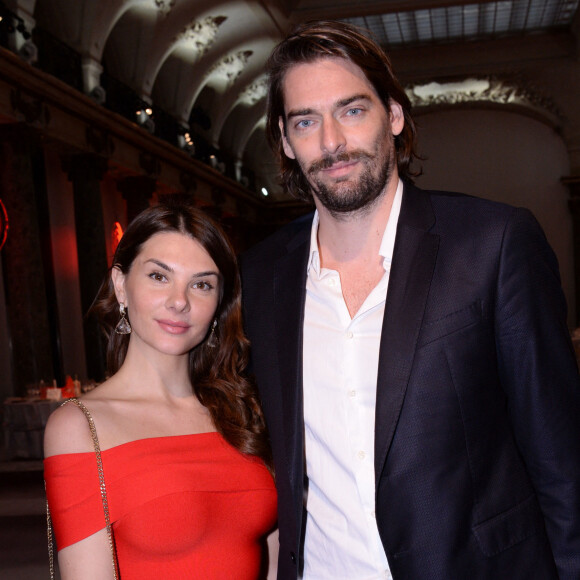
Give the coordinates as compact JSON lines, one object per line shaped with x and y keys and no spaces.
{"x":178,"y":299}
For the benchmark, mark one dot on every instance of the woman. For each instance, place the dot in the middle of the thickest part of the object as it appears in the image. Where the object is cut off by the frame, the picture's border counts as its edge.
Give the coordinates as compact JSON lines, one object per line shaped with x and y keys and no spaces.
{"x":182,"y":437}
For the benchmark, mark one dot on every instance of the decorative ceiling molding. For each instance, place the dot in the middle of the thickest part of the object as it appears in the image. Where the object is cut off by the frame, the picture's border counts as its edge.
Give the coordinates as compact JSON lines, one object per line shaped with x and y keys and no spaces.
{"x":201,"y":33}
{"x":484,"y":89}
{"x":255,"y":92}
{"x":231,"y":66}
{"x":165,"y":6}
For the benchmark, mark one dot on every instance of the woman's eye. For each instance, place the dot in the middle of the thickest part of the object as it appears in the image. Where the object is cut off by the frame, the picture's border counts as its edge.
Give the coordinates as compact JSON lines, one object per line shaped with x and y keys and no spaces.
{"x":157,"y":276}
{"x":203,"y":285}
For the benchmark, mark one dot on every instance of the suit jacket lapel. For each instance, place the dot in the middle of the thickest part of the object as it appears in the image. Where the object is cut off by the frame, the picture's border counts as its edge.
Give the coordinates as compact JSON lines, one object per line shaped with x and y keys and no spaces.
{"x":414,"y":257}
{"x":290,"y":296}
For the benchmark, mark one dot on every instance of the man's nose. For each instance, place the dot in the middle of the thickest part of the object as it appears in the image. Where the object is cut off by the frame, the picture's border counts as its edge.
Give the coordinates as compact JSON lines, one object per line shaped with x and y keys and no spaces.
{"x":332,"y":136}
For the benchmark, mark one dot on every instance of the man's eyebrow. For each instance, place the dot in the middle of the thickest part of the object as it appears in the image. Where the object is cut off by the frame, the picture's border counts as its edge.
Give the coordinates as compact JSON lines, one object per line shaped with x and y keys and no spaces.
{"x":338,"y":105}
{"x":299,"y":113}
{"x":349,"y":100}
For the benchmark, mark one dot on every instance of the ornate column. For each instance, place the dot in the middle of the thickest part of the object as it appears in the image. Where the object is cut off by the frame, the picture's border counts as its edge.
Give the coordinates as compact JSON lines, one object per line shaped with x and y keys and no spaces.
{"x":573,"y":184}
{"x":137,"y":191}
{"x":92,"y":70}
{"x":27,"y":261}
{"x":86,"y":171}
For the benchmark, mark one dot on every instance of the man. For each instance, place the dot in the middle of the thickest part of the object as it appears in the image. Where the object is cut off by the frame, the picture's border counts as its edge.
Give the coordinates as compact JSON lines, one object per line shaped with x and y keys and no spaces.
{"x":410,"y":347}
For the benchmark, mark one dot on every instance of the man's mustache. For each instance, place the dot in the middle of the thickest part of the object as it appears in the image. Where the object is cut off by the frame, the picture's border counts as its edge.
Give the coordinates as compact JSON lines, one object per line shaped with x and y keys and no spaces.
{"x":329,"y":160}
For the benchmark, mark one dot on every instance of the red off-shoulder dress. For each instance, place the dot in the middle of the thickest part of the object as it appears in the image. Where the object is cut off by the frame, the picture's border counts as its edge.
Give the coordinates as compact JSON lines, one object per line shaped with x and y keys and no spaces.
{"x":182,"y":507}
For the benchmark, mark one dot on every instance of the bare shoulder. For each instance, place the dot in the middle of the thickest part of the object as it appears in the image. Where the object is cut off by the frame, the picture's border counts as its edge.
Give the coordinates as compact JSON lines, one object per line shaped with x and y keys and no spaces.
{"x":67,"y":431}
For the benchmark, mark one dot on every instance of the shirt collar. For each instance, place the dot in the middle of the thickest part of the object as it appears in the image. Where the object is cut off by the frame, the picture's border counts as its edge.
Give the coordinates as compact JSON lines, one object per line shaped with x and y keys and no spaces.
{"x":387,"y":243}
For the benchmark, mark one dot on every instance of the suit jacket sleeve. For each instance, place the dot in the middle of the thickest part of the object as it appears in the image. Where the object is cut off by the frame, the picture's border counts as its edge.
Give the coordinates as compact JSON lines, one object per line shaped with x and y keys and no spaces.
{"x":539,"y":373}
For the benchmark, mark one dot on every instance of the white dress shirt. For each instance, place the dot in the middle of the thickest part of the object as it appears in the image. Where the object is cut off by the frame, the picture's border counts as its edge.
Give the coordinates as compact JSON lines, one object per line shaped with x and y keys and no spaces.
{"x":340,"y":379}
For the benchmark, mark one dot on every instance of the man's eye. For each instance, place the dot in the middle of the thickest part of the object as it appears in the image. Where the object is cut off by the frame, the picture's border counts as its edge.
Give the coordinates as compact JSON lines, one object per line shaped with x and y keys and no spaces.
{"x":304,"y":123}
{"x":354,"y":111}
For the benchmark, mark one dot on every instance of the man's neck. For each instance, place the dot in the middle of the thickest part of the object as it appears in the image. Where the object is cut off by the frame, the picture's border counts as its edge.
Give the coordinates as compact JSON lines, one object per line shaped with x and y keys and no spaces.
{"x":355,"y":237}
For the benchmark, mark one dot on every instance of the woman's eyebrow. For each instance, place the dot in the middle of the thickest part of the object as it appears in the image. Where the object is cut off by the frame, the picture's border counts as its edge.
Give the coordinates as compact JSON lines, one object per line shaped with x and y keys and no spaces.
{"x":207,"y":273}
{"x":167,"y":268}
{"x":160,"y":264}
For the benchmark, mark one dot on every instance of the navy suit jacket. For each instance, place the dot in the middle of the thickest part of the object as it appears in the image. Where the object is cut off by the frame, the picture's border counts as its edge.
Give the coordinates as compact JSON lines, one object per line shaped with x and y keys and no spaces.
{"x":477,"y":434}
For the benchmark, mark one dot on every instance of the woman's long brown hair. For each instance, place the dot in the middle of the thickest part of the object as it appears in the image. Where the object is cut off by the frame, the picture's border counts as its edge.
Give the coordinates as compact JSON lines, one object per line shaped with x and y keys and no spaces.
{"x":217,"y":374}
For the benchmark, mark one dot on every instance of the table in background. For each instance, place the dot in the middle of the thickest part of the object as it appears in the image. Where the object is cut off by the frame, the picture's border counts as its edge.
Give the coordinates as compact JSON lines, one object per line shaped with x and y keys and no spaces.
{"x":24,"y":421}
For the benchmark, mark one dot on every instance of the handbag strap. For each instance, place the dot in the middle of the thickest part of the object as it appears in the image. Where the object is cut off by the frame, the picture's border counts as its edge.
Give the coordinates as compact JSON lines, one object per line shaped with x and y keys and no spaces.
{"x":103,"y":490}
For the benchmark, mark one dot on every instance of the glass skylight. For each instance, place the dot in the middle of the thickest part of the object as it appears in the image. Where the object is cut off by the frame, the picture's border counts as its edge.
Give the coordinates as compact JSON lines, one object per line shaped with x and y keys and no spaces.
{"x":468,"y":22}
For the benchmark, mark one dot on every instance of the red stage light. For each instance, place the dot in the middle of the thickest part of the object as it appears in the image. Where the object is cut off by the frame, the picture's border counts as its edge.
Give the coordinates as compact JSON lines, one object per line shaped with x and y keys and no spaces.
{"x":3,"y":224}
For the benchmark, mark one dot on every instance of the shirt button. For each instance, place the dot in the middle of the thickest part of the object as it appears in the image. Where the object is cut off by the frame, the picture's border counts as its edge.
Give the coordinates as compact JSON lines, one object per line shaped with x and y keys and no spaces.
{"x":349,"y":334}
{"x":361,"y":455}
{"x":331,"y":282}
{"x":352,"y":394}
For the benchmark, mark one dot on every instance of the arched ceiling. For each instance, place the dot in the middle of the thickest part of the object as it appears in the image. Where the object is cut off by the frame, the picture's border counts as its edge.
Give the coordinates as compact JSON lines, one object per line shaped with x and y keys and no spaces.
{"x":202,"y":62}
{"x":183,"y":56}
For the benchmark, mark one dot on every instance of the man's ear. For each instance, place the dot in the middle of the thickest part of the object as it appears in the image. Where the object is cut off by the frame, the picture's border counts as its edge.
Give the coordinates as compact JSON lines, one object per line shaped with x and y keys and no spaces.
{"x":397,"y":117}
{"x":118,"y":279}
{"x":285,"y":145}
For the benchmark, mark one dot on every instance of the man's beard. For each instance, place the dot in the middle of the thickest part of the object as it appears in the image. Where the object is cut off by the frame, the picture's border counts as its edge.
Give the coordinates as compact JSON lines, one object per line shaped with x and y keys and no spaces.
{"x":343,"y":197}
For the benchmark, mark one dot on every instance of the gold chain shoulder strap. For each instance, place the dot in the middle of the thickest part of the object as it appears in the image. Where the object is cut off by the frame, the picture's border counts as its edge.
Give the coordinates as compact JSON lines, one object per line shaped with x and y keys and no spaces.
{"x":103,"y":490}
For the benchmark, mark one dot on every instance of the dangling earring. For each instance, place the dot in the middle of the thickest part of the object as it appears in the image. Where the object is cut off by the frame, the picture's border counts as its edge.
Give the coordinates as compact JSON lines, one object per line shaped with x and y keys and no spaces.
{"x":123,"y":326}
{"x":213,"y":340}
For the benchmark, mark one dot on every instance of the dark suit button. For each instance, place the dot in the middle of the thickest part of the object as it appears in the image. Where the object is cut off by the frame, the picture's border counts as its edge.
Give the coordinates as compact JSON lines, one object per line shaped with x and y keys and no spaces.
{"x":293,"y":557}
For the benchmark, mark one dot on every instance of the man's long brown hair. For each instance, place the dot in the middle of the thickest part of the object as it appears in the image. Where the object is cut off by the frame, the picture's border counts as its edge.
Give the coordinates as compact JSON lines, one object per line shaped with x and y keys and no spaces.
{"x":216,"y":374}
{"x":312,"y":41}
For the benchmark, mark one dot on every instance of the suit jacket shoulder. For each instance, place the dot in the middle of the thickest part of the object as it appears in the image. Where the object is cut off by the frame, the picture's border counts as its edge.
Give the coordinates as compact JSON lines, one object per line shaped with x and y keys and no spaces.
{"x":278,"y":243}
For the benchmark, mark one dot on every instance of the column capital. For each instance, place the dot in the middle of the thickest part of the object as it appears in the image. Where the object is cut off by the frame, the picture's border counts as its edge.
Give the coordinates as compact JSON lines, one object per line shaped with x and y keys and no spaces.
{"x":84,"y":166}
{"x":136,"y":190}
{"x":21,"y":138}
